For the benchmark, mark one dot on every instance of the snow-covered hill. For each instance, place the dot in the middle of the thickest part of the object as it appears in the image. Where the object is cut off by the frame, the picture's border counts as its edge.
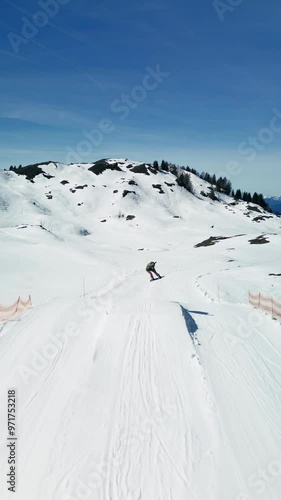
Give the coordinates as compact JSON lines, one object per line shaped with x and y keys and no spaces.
{"x":138,"y":391}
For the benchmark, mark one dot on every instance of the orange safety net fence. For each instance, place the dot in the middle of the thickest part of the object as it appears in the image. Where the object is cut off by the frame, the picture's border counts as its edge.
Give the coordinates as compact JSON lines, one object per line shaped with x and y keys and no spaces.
{"x":10,"y":312}
{"x":267,"y":304}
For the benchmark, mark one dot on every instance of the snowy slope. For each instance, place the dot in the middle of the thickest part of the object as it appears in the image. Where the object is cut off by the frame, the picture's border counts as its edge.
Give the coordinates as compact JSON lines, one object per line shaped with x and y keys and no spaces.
{"x":139,"y":390}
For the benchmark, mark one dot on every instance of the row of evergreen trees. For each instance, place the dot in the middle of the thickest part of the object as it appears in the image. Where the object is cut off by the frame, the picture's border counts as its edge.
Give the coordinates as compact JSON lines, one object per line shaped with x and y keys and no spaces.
{"x":15,"y":167}
{"x":221,"y":185}
{"x":164,"y":165}
{"x":258,"y":199}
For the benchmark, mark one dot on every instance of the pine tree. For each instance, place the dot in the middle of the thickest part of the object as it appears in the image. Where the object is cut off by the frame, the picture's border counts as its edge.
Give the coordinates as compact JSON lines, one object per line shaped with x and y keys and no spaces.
{"x":184,"y":181}
{"x":174,"y":170}
{"x":219,"y":184}
{"x":238,"y":194}
{"x":255,"y":198}
{"x":193,"y":171}
{"x":224,"y":185}
{"x":262,"y":202}
{"x":228,"y":187}
{"x":165,"y":165}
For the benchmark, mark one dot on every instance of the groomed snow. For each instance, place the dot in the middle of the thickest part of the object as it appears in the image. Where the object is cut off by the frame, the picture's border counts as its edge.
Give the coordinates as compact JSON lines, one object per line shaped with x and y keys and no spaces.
{"x":138,"y":391}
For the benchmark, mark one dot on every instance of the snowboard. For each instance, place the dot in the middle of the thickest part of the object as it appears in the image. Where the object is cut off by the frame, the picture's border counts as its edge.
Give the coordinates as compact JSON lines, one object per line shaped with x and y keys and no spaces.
{"x":156,"y":279}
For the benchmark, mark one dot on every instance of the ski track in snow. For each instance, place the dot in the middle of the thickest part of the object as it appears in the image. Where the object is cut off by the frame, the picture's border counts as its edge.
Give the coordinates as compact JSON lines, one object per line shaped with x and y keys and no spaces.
{"x":139,"y":374}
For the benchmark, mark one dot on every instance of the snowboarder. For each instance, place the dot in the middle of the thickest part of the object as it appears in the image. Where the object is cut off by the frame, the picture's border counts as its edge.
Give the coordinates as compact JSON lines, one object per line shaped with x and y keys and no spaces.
{"x":150,"y":268}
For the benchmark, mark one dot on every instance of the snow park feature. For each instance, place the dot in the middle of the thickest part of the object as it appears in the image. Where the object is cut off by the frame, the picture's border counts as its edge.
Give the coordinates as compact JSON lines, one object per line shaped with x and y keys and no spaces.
{"x":126,"y":390}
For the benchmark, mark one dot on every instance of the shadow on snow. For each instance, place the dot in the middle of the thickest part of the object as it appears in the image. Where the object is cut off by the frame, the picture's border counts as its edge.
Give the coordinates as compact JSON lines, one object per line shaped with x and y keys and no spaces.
{"x":191,"y":324}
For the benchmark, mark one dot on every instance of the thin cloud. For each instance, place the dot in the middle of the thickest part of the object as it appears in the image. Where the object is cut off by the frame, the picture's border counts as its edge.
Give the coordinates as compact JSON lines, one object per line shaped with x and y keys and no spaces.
{"x":12,"y":54}
{"x":41,"y":114}
{"x":153,"y":6}
{"x":20,"y":9}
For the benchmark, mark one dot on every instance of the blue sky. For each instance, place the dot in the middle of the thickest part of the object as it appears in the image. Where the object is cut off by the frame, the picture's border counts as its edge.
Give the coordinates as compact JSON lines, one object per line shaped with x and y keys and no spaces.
{"x":64,"y":82}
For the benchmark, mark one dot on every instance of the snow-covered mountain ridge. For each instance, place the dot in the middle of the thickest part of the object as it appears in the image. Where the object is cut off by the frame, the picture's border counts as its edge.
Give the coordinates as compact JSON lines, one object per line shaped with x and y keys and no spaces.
{"x":107,"y":189}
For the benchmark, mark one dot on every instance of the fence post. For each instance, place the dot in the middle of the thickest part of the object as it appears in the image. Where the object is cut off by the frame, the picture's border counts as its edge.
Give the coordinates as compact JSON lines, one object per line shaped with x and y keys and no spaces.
{"x":17,"y":308}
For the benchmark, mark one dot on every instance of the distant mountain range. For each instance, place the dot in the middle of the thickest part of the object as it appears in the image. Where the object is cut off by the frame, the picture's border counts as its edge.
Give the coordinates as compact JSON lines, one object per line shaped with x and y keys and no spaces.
{"x":275,"y":204}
